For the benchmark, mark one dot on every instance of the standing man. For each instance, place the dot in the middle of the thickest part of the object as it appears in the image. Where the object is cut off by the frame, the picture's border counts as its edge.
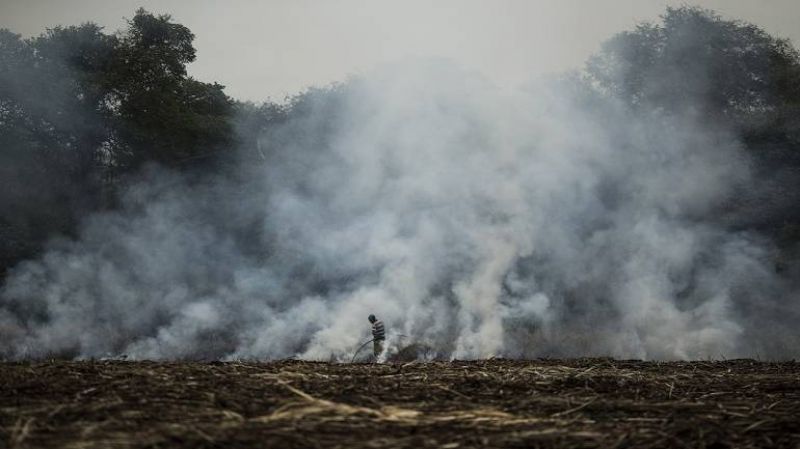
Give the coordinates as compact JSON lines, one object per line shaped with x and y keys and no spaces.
{"x":378,"y":335}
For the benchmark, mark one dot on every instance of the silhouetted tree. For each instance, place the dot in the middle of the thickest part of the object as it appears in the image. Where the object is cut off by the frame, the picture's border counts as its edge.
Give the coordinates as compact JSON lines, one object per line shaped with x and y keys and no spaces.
{"x":79,"y":107}
{"x":727,"y":72}
{"x":164,"y":115}
{"x":695,"y":60}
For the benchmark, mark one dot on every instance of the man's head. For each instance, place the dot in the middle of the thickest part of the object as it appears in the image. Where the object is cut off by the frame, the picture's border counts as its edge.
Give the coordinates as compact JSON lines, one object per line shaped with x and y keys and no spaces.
{"x":372,"y":319}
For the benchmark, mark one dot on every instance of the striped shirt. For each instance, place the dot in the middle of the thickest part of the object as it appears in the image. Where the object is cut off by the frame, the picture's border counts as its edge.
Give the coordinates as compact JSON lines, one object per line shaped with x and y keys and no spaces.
{"x":378,"y":331}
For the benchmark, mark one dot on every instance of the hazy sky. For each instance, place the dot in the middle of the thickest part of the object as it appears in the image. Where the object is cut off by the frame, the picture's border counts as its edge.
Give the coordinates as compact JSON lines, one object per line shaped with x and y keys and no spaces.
{"x":269,"y":48}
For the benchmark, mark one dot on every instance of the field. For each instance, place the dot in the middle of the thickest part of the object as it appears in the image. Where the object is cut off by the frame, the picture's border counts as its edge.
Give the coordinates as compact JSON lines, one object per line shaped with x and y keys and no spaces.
{"x":497,"y":403}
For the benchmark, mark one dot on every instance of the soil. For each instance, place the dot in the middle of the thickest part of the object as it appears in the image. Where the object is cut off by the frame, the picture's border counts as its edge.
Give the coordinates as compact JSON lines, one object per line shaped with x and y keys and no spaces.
{"x":495,"y":403}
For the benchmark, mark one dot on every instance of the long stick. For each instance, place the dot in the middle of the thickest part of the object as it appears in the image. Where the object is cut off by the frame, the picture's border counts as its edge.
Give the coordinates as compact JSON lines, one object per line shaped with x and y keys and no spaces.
{"x":359,"y":350}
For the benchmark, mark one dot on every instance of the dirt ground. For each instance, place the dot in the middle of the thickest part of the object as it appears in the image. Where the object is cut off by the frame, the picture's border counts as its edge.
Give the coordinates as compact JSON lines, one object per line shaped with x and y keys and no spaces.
{"x":491,"y":403}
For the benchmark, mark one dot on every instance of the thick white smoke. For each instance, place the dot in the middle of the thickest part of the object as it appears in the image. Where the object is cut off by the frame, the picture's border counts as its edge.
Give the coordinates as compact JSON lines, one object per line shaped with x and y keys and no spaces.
{"x":539,"y":222}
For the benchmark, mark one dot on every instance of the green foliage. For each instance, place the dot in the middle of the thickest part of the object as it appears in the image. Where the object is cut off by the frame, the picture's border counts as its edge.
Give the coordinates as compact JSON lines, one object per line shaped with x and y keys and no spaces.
{"x":48,"y":134}
{"x":723,"y":72}
{"x":696,"y":60}
{"x":163,"y":115}
{"x":79,"y":108}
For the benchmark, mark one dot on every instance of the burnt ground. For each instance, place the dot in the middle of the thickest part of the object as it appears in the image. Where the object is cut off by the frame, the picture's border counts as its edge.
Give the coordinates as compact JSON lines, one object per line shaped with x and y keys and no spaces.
{"x":496,"y":403}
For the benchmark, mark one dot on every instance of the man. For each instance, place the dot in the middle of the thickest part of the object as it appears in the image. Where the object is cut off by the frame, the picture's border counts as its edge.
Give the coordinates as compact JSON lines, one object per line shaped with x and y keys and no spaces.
{"x":378,"y":335}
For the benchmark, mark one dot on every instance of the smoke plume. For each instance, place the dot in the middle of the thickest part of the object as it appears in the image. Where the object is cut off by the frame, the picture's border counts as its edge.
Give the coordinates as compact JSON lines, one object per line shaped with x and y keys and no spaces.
{"x":544,"y":221}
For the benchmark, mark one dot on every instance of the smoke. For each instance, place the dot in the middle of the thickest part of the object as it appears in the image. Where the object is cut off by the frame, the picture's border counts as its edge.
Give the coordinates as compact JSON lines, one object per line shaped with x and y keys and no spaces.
{"x":544,"y":221}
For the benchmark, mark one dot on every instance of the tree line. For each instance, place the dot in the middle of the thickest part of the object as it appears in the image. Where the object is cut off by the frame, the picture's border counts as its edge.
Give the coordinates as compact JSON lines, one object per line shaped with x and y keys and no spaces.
{"x":81,"y":110}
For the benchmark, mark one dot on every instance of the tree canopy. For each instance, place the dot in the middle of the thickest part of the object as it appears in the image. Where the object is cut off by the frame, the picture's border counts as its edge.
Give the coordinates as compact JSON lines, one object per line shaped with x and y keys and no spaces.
{"x":80,"y":107}
{"x":695,"y":59}
{"x":731,"y":73}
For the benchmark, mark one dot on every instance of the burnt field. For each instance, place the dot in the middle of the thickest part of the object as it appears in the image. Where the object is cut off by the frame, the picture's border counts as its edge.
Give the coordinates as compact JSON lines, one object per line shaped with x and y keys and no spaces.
{"x":543,"y":403}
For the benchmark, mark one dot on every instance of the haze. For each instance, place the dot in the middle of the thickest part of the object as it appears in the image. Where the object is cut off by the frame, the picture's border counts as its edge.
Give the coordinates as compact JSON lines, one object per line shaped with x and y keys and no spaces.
{"x":270,"y":49}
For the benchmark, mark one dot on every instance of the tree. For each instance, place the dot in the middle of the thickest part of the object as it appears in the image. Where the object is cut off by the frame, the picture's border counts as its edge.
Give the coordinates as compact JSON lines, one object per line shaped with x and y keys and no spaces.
{"x":164,"y":115}
{"x":49,"y":133}
{"x":728,"y":72}
{"x":695,"y":60}
{"x":78,"y":107}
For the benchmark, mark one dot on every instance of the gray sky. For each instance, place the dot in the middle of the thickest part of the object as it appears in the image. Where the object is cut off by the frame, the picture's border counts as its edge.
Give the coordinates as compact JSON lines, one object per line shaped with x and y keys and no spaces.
{"x":272,"y":48}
